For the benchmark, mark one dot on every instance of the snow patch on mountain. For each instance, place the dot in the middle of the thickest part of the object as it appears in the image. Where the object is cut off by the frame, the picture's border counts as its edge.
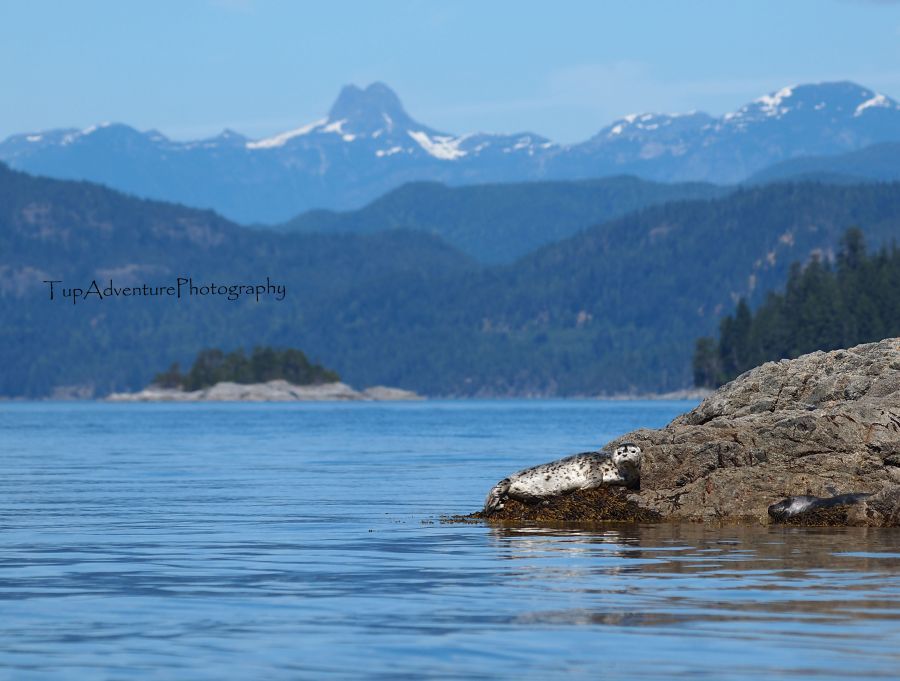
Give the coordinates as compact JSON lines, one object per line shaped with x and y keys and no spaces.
{"x":878,"y":101}
{"x":770,"y":105}
{"x":281,"y":139}
{"x":381,"y":153}
{"x":72,"y":136}
{"x":389,"y":147}
{"x":525,"y":142}
{"x":337,"y":127}
{"x":444,"y":147}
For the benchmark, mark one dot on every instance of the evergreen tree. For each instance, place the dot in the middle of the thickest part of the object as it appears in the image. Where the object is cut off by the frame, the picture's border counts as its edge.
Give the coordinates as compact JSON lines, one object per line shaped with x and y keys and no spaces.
{"x":707,"y":363}
{"x":171,"y":378}
{"x":264,"y":364}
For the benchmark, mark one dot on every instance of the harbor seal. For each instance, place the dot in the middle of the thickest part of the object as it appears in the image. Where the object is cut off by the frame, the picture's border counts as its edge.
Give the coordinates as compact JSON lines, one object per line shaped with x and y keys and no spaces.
{"x":800,"y":504}
{"x":581,"y":471}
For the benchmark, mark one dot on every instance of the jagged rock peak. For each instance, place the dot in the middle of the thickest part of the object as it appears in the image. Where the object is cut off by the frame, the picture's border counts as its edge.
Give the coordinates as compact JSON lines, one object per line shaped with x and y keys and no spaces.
{"x":376,"y":107}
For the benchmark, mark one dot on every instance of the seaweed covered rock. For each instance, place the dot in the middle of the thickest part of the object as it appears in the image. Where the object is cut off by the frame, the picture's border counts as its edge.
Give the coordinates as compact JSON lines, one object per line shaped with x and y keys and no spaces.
{"x":824,"y":423}
{"x":580,"y":506}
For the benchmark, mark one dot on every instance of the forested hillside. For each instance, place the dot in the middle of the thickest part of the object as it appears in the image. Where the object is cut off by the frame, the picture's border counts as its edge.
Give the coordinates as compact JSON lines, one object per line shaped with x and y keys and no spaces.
{"x":498,"y":223}
{"x":825,"y":305}
{"x":615,"y":308}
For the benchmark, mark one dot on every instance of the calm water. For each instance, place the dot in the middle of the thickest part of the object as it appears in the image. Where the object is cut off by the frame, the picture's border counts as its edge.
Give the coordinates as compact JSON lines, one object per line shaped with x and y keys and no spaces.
{"x":299,"y":541}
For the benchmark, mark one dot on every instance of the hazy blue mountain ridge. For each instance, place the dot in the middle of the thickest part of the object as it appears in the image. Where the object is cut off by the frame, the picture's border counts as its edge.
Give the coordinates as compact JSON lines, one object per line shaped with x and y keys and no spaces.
{"x":875,"y":163}
{"x":368,"y":145}
{"x":498,"y":223}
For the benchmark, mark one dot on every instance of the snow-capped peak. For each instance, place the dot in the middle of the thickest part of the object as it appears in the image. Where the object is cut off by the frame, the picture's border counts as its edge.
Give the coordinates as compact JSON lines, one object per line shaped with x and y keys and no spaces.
{"x":773,"y":105}
{"x":831,"y":99}
{"x":639,"y":123}
{"x":71,"y":137}
{"x":371,"y":110}
{"x":632,"y":120}
{"x":374,"y":119}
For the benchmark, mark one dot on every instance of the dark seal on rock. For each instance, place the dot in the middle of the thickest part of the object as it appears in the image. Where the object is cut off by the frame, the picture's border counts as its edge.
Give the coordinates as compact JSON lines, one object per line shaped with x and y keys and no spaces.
{"x":802,"y":504}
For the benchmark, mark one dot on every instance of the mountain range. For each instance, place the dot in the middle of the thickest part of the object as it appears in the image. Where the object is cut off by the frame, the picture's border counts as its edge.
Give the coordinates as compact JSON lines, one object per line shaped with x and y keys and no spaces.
{"x":498,"y":223}
{"x":613,"y":308}
{"x":368,"y":144}
{"x":876,"y":163}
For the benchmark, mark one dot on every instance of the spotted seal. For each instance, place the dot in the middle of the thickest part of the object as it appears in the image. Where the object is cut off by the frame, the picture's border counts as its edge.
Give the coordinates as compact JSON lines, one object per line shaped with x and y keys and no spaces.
{"x":800,"y":504}
{"x":581,"y":471}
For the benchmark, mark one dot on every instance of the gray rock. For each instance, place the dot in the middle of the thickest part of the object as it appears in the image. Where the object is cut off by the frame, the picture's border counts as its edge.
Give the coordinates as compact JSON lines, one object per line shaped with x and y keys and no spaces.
{"x":822,"y":423}
{"x":383,"y":393}
{"x":272,"y":391}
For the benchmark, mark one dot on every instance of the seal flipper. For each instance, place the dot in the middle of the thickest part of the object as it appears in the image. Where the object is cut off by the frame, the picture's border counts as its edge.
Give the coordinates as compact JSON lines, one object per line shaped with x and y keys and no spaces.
{"x":495,"y":497}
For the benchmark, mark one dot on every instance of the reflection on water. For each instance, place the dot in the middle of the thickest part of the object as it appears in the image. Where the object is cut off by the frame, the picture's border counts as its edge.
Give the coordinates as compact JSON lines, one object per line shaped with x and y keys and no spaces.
{"x":695,"y":572}
{"x":277,"y":541}
{"x":726,"y":601}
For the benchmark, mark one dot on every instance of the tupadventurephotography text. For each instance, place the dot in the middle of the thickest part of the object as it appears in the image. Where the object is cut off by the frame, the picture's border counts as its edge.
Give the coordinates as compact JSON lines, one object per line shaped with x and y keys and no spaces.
{"x":184,"y":287}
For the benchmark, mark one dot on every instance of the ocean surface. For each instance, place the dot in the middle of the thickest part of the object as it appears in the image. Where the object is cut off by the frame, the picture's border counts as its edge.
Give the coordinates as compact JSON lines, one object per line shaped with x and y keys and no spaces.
{"x":293,"y":541}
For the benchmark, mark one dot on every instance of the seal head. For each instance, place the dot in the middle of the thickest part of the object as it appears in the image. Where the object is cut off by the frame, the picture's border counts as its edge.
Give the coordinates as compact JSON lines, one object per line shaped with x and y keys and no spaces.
{"x":627,"y":459}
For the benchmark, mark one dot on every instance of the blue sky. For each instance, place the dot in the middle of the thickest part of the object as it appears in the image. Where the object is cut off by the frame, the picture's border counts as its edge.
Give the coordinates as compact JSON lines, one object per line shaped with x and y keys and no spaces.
{"x":562,"y":69}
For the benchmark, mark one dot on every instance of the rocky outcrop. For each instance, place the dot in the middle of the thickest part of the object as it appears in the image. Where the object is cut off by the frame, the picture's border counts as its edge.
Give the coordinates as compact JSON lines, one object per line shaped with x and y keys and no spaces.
{"x":272,"y":391}
{"x":824,"y":423}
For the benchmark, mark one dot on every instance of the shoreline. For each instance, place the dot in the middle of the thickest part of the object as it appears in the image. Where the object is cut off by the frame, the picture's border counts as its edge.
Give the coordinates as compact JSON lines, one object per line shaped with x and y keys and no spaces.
{"x":649,"y":397}
{"x":270,"y":391}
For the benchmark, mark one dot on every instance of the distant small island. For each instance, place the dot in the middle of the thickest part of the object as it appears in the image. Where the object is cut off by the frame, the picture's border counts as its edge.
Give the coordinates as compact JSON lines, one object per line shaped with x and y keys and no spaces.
{"x":266,"y":375}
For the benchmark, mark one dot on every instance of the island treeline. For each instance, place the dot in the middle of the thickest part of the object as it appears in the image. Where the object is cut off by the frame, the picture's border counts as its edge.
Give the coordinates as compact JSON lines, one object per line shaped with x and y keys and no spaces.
{"x":264,"y":364}
{"x":825,"y":305}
